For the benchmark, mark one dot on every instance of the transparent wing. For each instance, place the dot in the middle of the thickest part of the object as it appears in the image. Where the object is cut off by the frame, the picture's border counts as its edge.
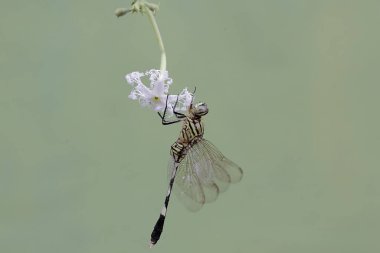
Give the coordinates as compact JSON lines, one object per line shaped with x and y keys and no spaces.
{"x":222,"y":166}
{"x":188,"y":190}
{"x":188,"y":187}
{"x":203,"y":174}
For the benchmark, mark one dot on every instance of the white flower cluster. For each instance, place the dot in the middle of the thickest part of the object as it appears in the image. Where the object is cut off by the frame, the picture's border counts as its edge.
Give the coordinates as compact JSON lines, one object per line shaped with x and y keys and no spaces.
{"x":156,"y":94}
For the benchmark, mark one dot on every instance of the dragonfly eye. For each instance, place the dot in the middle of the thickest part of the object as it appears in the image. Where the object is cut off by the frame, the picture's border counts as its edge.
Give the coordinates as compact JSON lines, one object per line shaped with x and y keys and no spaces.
{"x":200,"y":109}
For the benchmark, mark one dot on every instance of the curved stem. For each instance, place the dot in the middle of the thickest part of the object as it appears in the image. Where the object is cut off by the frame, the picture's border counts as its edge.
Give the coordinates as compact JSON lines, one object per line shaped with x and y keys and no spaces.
{"x":158,"y":35}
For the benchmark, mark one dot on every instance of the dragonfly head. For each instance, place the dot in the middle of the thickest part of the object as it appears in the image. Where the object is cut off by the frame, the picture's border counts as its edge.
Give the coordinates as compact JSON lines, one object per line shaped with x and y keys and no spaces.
{"x":199,"y":109}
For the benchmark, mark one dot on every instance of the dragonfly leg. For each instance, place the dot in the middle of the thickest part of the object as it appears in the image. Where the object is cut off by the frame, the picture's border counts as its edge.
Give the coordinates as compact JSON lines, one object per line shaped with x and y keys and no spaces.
{"x":166,"y":122}
{"x":178,"y":114}
{"x":195,"y":89}
{"x":162,"y":116}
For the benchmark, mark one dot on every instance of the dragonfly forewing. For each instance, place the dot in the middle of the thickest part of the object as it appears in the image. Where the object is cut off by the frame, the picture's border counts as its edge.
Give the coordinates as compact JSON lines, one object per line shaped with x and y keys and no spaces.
{"x":203,"y":174}
{"x":223,"y":164}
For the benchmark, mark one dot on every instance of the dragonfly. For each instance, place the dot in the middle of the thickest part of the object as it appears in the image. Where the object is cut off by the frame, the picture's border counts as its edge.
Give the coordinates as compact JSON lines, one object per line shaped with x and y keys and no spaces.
{"x":197,"y":170}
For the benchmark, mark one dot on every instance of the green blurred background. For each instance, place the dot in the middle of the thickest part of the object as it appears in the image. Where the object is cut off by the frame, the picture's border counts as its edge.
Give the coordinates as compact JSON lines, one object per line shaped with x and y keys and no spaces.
{"x":292,"y":88}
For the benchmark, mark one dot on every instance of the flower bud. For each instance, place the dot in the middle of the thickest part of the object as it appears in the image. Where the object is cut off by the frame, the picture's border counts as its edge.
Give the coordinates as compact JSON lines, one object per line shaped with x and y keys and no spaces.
{"x":121,"y":12}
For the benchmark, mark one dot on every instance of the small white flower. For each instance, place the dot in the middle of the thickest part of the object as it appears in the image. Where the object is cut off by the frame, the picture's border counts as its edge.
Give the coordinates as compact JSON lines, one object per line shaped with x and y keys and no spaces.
{"x":156,"y":95}
{"x":184,"y":100}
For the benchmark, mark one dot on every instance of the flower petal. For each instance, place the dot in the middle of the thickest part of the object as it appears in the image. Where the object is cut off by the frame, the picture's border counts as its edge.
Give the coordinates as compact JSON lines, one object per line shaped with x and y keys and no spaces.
{"x":134,"y":78}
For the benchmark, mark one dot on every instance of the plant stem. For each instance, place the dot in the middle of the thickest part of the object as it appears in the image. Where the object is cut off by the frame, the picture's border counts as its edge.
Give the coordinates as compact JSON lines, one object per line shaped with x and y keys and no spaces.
{"x":152,"y":20}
